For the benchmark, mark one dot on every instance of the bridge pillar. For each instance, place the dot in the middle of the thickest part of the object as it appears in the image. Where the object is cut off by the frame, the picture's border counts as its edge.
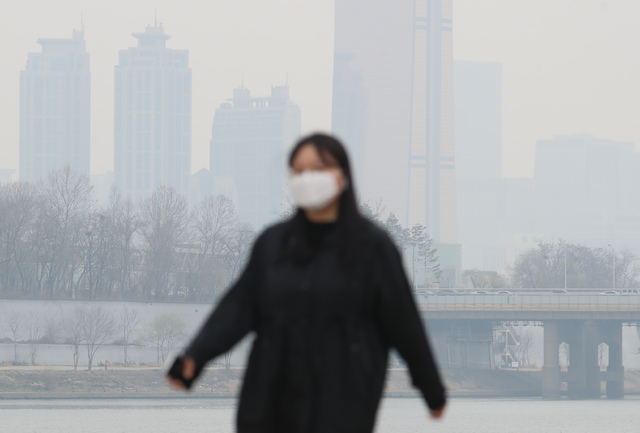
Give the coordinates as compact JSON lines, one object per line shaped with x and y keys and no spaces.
{"x":592,"y":340}
{"x":576,"y":373}
{"x":615,"y":369}
{"x":551,"y":367}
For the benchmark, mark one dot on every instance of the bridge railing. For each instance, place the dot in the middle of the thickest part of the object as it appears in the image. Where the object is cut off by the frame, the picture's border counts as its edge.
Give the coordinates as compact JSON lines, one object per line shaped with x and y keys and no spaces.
{"x":530,"y":302}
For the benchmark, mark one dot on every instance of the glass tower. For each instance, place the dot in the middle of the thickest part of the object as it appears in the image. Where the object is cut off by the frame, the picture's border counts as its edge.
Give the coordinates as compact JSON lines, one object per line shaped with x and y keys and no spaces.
{"x":393,"y":106}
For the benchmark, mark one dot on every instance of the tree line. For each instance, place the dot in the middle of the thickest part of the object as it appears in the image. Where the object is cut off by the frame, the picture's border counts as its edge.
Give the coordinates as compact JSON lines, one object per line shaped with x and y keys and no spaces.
{"x":546,"y":265}
{"x":57,"y":242}
{"x":414,"y":242}
{"x":88,"y":328}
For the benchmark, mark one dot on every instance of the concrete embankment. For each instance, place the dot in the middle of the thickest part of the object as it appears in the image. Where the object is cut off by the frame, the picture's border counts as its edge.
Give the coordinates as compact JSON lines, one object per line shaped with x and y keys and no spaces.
{"x":28,"y":382}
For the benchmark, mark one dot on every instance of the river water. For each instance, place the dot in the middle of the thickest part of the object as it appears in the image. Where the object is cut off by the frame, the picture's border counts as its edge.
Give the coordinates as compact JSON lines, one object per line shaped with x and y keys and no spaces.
{"x":396,"y":416}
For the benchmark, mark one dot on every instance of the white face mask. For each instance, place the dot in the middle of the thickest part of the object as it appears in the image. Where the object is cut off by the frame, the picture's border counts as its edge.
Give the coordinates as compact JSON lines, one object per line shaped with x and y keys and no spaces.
{"x":313,"y":190}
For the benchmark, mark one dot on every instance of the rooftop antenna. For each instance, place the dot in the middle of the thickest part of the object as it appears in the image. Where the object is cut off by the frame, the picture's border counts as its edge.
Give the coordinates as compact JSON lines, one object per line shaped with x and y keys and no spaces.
{"x":81,"y":22}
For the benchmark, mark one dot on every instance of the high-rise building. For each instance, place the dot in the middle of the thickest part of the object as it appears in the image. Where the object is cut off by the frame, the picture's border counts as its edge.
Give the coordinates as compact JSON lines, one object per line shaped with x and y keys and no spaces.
{"x":152,"y":136}
{"x":393,"y":105}
{"x":54,"y":108}
{"x":479,"y":183}
{"x":478,"y":126}
{"x":200,"y":186}
{"x":249,"y":140}
{"x":586,"y":191}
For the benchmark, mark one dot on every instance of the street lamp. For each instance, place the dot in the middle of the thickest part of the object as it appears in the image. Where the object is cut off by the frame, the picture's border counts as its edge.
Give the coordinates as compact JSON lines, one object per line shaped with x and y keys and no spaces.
{"x":613,"y":255}
{"x":564,"y":244}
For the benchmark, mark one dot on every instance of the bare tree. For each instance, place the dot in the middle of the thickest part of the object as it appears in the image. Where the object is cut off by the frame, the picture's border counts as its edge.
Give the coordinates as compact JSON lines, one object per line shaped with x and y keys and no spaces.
{"x":214,"y":223}
{"x":65,"y":202}
{"x":99,"y":328}
{"x":73,"y":328}
{"x":15,"y":323}
{"x":627,"y":269}
{"x":33,"y":329}
{"x":126,"y":223}
{"x":237,"y":250}
{"x":18,"y":202}
{"x":99,"y":255}
{"x":165,"y":331}
{"x":448,"y":278}
{"x":544,"y":267}
{"x":129,"y":321}
{"x":374,"y":210}
{"x":164,"y":228}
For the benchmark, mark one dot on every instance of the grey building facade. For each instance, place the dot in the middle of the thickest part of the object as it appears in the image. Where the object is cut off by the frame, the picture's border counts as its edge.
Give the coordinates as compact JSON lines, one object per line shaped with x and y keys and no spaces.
{"x":250,"y":138}
{"x":55,"y":109}
{"x":152,"y":117}
{"x":393,"y":106}
{"x":586,"y":191}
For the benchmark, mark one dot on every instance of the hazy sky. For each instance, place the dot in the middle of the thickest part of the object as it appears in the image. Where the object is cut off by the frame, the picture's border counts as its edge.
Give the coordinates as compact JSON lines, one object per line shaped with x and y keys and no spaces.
{"x":568,"y":65}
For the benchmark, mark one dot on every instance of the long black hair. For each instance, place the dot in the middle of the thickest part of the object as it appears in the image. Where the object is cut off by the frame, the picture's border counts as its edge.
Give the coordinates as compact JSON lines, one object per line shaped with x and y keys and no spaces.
{"x":349,"y":223}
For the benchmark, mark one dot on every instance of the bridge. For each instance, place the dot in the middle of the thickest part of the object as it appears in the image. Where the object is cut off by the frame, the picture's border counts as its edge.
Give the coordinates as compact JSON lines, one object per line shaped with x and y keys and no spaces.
{"x":581,"y":318}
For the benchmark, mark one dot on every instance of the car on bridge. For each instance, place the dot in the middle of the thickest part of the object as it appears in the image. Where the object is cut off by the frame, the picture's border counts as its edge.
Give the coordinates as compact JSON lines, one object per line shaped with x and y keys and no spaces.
{"x":610,"y":292}
{"x":422,"y":292}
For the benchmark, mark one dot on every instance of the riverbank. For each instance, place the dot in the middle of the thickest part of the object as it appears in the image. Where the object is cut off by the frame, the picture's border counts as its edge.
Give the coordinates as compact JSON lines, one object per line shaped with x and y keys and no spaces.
{"x":144,"y":382}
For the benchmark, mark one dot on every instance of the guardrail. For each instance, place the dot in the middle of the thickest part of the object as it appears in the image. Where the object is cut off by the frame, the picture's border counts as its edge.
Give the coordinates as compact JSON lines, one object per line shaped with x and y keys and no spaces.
{"x":516,"y":302}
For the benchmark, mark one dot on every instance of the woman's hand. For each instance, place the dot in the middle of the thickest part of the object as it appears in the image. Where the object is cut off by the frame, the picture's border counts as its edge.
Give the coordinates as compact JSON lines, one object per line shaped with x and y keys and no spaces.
{"x":188,"y":370}
{"x":437,"y":413}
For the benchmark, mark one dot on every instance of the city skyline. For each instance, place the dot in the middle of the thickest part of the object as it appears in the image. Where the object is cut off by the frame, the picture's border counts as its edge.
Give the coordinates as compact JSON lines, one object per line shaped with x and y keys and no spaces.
{"x":549,"y":61}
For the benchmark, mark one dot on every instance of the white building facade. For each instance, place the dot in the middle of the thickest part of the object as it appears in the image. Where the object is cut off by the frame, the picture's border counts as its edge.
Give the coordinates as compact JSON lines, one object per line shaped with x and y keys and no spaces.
{"x":55,"y":109}
{"x":152,"y":117}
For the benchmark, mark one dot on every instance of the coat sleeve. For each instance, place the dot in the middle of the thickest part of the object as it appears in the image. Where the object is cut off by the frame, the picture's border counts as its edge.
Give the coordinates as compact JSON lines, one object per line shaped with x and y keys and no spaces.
{"x":401,"y":326}
{"x":233,"y":317}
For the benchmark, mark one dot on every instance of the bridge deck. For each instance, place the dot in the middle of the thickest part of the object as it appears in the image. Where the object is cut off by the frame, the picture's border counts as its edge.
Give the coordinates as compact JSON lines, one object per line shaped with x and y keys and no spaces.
{"x":625,"y":308}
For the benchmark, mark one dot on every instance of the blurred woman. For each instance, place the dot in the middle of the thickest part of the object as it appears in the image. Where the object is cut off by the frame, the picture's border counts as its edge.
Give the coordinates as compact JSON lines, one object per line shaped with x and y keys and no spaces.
{"x":326,"y":296}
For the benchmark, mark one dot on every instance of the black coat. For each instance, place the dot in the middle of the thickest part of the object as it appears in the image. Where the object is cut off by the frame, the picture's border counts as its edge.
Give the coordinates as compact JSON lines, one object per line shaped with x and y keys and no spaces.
{"x":323,"y":334}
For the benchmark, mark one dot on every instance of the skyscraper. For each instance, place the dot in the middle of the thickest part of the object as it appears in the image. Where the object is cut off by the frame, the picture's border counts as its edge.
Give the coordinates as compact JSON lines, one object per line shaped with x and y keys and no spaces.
{"x":586,"y":190}
{"x":54,"y":108}
{"x":393,"y":105}
{"x":152,"y":136}
{"x":249,"y":139}
{"x":479,"y":184}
